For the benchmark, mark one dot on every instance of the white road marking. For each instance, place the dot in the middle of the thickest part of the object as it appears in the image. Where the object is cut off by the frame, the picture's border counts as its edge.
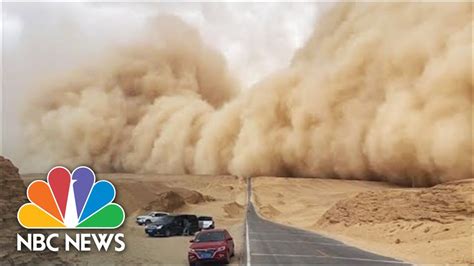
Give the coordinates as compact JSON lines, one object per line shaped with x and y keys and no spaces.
{"x":322,"y":252}
{"x":298,"y":241}
{"x":329,"y":257}
{"x":285,"y":234}
{"x":247,"y":242}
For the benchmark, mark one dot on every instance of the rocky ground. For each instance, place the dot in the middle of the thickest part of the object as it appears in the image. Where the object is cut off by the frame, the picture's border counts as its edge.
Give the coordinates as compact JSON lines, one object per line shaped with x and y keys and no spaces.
{"x":12,"y":196}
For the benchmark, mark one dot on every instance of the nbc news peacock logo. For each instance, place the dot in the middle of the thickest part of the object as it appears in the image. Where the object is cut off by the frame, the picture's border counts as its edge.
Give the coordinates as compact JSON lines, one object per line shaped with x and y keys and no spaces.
{"x":71,"y":201}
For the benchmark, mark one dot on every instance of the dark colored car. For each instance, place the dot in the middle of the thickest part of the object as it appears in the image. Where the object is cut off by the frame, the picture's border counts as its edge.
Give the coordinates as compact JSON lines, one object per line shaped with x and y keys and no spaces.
{"x":214,"y":246}
{"x":206,"y":222}
{"x":172,"y":225}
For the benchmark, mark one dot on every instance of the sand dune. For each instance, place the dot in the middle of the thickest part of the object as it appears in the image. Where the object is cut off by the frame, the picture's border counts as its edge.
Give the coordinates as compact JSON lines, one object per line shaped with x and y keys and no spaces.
{"x":302,"y":201}
{"x":420,"y":225}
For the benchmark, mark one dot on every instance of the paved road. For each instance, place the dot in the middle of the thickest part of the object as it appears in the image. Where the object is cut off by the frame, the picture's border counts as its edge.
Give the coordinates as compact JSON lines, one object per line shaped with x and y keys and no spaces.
{"x":274,"y":244}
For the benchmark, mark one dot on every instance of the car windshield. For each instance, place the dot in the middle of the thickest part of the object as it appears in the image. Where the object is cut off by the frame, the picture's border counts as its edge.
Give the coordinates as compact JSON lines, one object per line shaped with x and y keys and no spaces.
{"x":205,"y":218}
{"x":210,"y":237}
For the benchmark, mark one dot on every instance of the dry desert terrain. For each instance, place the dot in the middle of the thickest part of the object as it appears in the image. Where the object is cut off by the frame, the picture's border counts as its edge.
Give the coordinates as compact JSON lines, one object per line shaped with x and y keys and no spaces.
{"x":418,"y":225}
{"x":222,"y":197}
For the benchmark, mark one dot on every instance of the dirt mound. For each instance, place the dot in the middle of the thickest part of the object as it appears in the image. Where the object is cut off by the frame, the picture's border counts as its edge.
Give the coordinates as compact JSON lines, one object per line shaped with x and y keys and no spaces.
{"x":12,"y":196}
{"x":133,"y":196}
{"x":168,"y":201}
{"x":233,"y":209}
{"x":445,"y":203}
{"x":193,"y":196}
{"x":269,"y":211}
{"x":176,"y":198}
{"x":424,"y":226}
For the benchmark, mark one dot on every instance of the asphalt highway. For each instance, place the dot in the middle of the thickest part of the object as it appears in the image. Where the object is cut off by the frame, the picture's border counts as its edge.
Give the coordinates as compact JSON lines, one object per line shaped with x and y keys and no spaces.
{"x":268,"y":243}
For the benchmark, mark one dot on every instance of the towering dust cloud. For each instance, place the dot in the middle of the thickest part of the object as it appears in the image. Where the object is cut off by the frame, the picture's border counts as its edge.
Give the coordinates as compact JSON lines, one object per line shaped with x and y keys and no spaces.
{"x":379,"y":92}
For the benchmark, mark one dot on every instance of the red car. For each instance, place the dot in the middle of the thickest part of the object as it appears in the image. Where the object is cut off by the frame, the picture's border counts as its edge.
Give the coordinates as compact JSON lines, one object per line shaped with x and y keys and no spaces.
{"x":215,"y":245}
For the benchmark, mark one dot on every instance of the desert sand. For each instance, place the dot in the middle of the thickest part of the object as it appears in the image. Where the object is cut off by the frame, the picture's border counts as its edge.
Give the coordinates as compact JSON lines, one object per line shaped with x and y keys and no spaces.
{"x":222,"y":197}
{"x":418,"y":225}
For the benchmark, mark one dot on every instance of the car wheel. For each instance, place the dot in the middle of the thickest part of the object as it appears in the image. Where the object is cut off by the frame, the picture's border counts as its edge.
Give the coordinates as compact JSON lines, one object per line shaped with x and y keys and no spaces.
{"x":227,"y":259}
{"x":167,"y":233}
{"x":147,"y":222}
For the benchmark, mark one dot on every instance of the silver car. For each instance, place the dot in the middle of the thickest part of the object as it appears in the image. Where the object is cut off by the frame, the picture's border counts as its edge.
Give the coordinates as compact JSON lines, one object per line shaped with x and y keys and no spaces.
{"x":150,"y":217}
{"x":206,"y":222}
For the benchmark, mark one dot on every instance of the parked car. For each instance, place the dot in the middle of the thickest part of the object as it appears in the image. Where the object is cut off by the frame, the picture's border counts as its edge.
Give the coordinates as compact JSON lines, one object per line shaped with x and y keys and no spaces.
{"x":214,"y":245}
{"x":206,"y":222}
{"x":171,"y":225}
{"x":150,"y":218}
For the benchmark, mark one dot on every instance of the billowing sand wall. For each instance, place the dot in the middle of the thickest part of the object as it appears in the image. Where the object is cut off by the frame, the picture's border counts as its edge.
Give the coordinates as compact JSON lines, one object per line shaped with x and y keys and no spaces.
{"x":379,"y":92}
